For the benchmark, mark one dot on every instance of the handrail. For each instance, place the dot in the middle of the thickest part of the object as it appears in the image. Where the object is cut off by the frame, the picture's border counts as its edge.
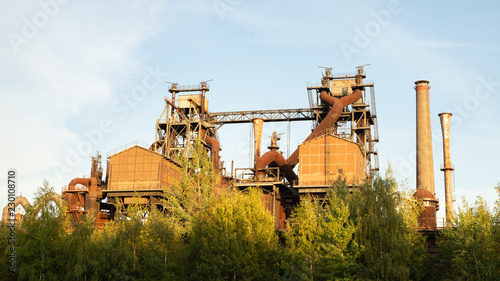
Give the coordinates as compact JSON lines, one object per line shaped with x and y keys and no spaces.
{"x":126,"y":146}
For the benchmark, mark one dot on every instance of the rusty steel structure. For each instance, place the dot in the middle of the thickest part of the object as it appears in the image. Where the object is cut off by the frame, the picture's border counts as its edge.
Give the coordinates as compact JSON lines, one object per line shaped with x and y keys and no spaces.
{"x":447,"y":167}
{"x":342,"y":110}
{"x":342,"y":143}
{"x":185,"y":119}
{"x":343,"y":140}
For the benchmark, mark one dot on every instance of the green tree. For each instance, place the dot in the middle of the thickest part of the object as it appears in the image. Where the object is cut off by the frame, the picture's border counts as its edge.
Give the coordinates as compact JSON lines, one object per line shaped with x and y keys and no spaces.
{"x":113,"y":253}
{"x":40,"y":239}
{"x":496,"y":230}
{"x":195,"y":189}
{"x":383,"y":217}
{"x":320,"y":242}
{"x":234,"y":238}
{"x":161,"y":249}
{"x":5,"y":251}
{"x":470,"y":249}
{"x":80,"y":251}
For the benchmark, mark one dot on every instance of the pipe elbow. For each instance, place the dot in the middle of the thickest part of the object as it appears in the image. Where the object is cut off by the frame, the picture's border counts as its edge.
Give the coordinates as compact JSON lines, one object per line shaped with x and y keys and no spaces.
{"x":276,"y":157}
{"x":83,"y":181}
{"x":324,"y":96}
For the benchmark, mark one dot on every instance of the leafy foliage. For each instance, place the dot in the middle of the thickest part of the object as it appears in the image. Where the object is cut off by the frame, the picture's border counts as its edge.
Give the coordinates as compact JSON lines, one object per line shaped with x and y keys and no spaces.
{"x":384,"y":220}
{"x":40,"y":239}
{"x":364,"y":233}
{"x":319,"y":242}
{"x":470,"y":249}
{"x":195,"y":189}
{"x":234,"y":238}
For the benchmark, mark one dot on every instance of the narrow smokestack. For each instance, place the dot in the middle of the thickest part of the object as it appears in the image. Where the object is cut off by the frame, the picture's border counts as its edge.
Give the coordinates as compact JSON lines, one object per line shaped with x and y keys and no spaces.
{"x":425,"y":168}
{"x":447,"y":167}
{"x":258,"y":123}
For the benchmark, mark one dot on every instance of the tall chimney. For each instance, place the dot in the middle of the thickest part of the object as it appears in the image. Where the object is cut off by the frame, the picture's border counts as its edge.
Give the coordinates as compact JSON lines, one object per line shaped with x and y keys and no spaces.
{"x":258,"y":123}
{"x":447,"y":167}
{"x":425,"y":168}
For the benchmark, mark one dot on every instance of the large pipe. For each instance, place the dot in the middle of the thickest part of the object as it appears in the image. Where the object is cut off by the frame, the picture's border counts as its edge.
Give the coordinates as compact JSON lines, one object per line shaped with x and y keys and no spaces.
{"x":258,"y":123}
{"x":83,"y":181}
{"x":447,"y":167}
{"x":91,"y":200}
{"x":8,"y":210}
{"x":214,"y":149}
{"x":332,"y":117}
{"x":276,"y":157}
{"x":425,"y":168}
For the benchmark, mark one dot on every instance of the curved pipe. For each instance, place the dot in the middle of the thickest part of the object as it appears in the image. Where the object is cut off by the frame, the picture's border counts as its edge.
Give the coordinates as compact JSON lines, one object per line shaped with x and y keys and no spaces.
{"x":44,"y":200}
{"x":275,"y":156}
{"x":83,"y":181}
{"x":330,"y":119}
{"x":91,"y":201}
{"x":19,"y":200}
{"x":214,"y":148}
{"x":51,"y":196}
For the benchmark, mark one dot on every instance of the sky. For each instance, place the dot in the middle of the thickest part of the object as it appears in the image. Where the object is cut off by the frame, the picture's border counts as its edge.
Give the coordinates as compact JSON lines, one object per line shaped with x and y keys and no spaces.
{"x":77,"y":77}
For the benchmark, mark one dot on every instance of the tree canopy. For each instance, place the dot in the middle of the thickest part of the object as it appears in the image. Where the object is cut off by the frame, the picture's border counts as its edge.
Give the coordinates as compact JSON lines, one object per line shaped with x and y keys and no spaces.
{"x":363,"y":232}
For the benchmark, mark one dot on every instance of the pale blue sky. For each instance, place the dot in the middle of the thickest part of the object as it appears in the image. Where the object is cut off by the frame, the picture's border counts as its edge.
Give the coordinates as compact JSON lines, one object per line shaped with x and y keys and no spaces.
{"x":69,"y":65}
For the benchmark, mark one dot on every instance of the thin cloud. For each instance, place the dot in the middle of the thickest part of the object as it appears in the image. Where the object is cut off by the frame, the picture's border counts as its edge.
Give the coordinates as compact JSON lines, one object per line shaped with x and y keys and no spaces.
{"x":455,"y":45}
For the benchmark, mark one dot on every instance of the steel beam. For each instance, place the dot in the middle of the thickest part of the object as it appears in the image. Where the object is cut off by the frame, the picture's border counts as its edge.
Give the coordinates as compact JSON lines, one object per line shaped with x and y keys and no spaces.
{"x":274,"y":115}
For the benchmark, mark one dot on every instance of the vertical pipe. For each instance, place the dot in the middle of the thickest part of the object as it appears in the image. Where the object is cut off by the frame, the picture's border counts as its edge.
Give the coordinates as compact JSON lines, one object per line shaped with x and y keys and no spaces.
{"x":447,"y":167}
{"x":288,"y":138}
{"x":425,"y":166}
{"x":258,"y":123}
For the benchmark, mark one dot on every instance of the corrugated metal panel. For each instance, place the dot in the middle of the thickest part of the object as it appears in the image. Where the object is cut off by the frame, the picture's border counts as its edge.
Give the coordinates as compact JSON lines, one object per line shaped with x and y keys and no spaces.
{"x":138,"y":168}
{"x":322,"y":159}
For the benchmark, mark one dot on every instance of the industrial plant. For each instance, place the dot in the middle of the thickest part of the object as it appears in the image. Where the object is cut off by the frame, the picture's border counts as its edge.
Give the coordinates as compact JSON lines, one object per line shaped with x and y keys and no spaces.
{"x":342,"y":143}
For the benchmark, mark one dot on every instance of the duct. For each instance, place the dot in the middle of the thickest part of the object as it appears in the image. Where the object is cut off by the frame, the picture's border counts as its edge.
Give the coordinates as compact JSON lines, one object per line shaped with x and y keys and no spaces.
{"x":258,"y":123}
{"x":447,"y":167}
{"x":19,"y":200}
{"x":332,"y":117}
{"x":214,"y":148}
{"x":91,"y":201}
{"x":83,"y":181}
{"x":276,"y":157}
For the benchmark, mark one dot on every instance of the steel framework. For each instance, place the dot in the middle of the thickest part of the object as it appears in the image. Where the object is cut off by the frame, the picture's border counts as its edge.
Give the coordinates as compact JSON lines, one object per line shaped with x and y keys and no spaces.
{"x":184,"y":119}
